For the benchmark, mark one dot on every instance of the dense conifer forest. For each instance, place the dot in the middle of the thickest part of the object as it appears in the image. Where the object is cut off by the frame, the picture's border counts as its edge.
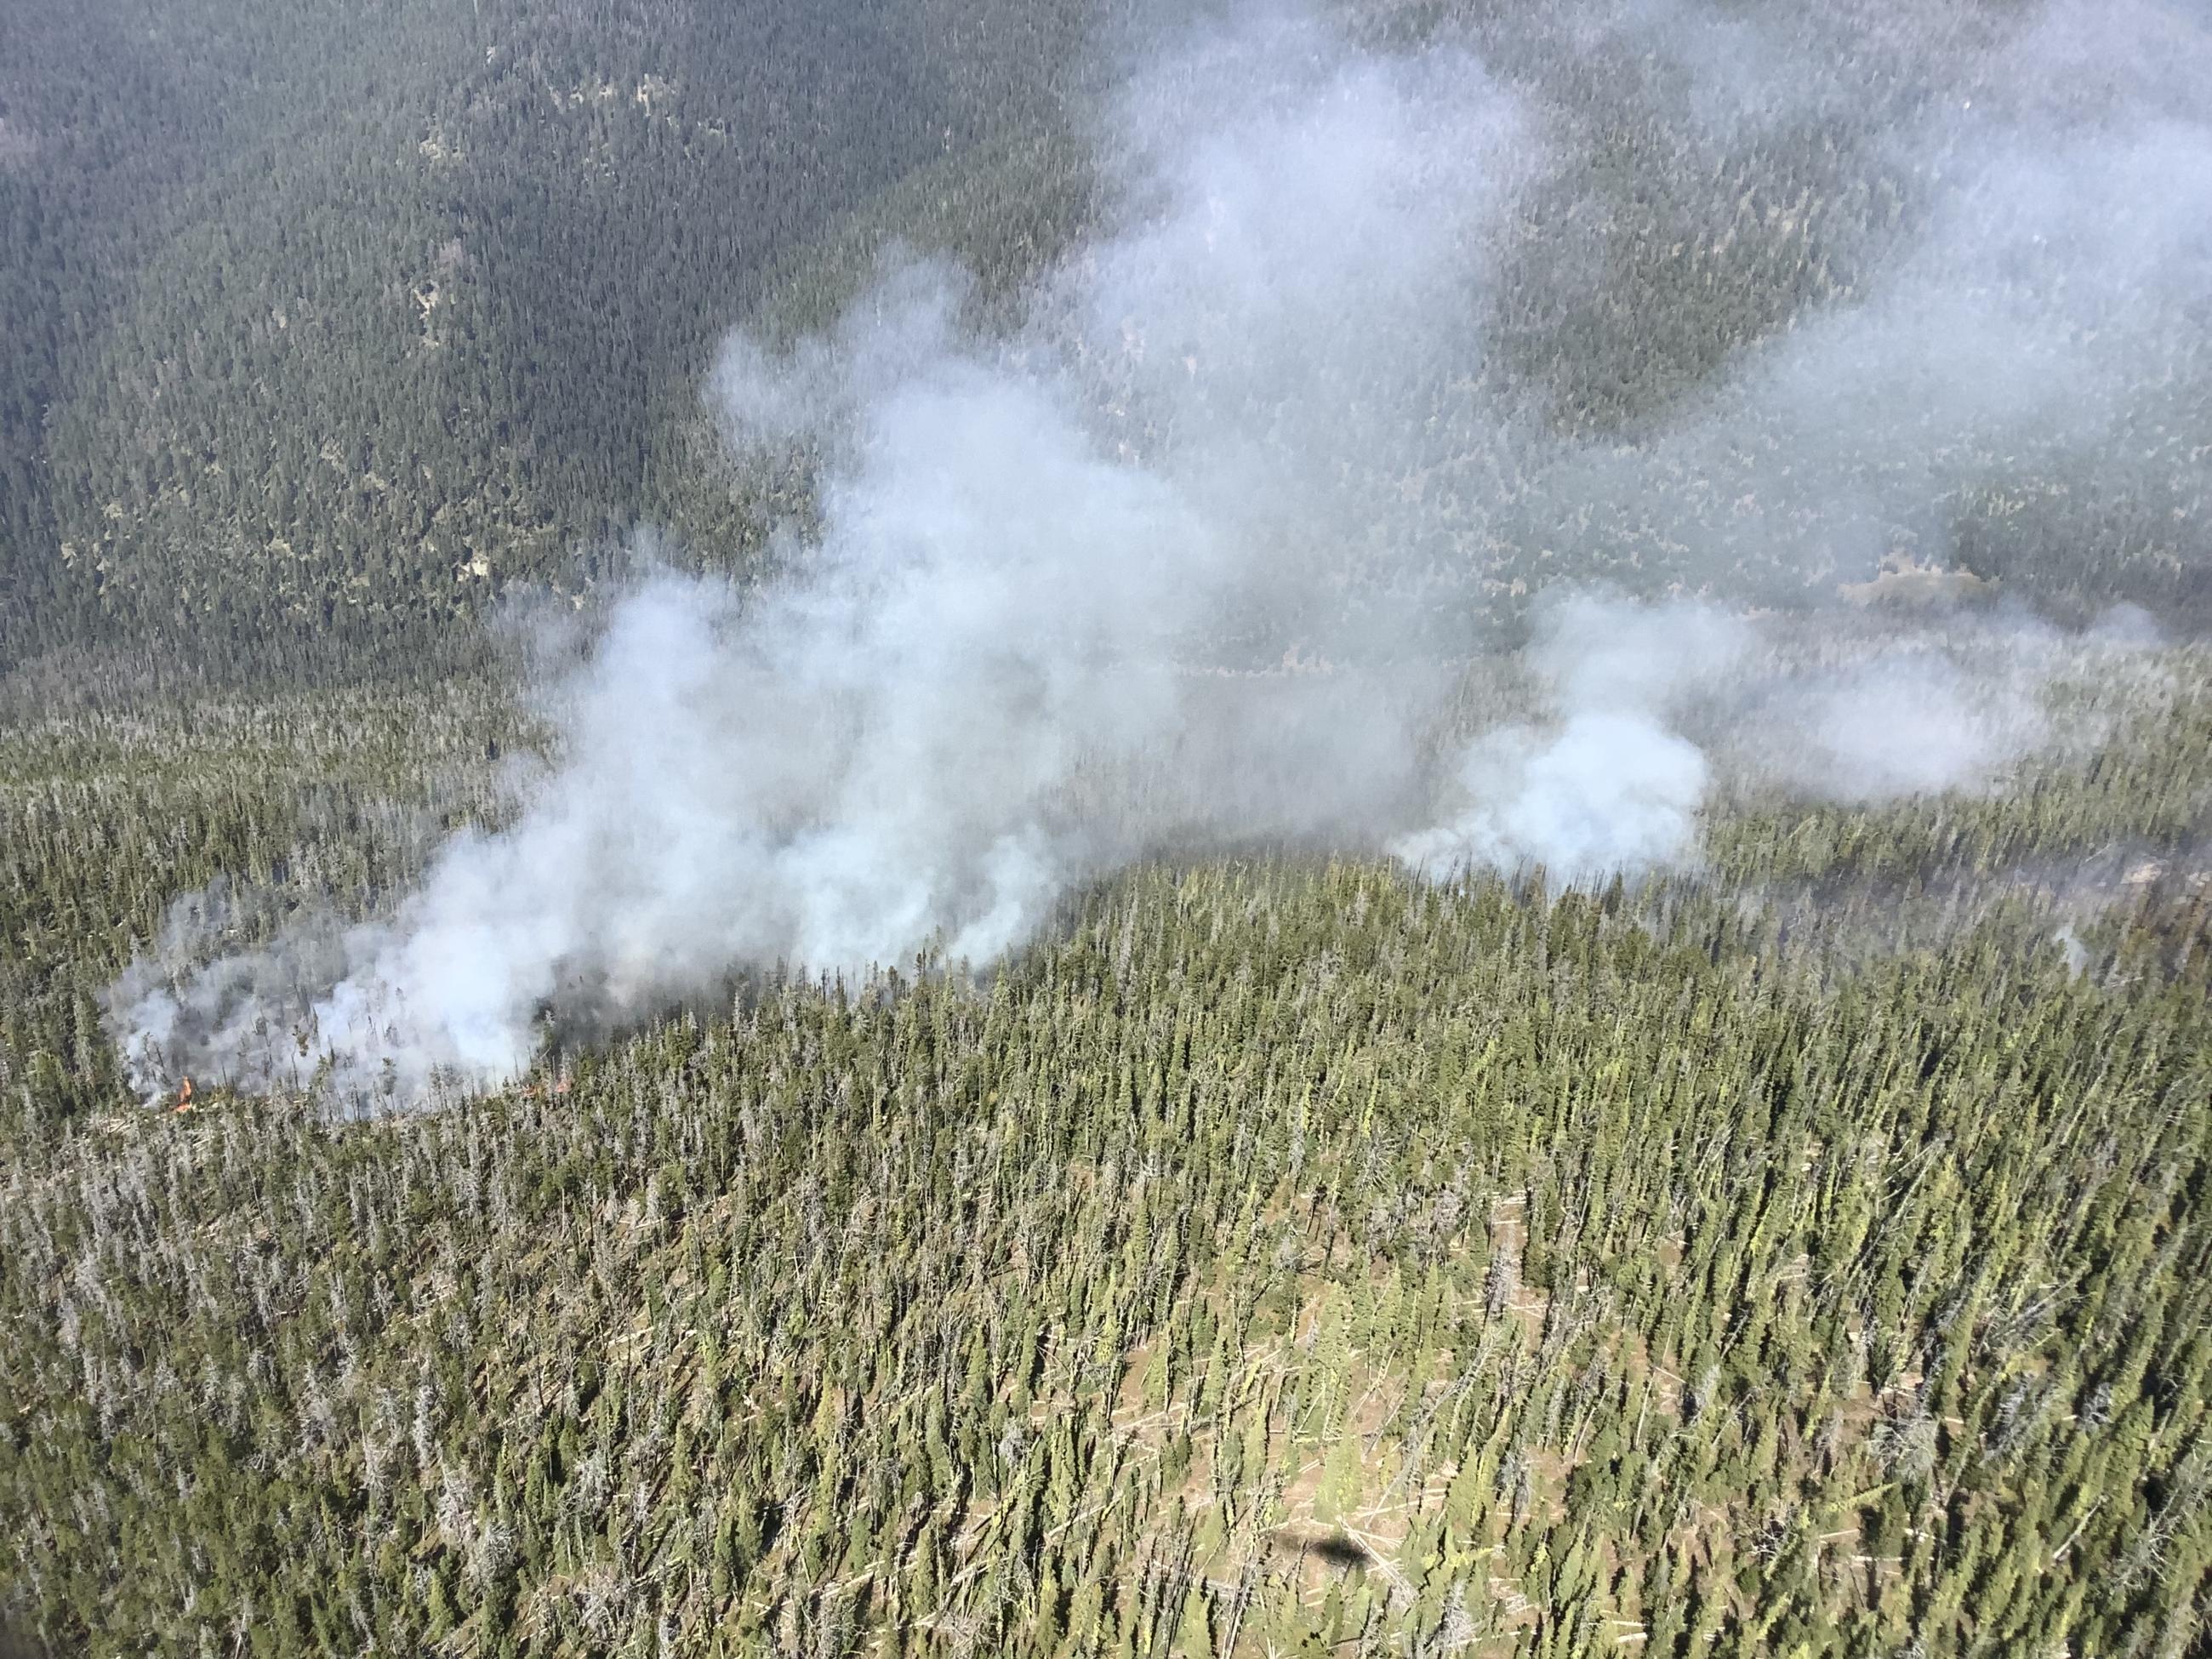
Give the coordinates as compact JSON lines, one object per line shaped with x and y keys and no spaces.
{"x":1798,"y":1247}
{"x":330,"y":320}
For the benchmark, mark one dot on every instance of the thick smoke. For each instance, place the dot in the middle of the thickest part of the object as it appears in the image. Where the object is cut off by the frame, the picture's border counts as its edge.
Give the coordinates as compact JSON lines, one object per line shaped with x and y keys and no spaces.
{"x":1061,"y":580}
{"x":1029,"y":553}
{"x":1607,"y":784}
{"x":1640,"y":706}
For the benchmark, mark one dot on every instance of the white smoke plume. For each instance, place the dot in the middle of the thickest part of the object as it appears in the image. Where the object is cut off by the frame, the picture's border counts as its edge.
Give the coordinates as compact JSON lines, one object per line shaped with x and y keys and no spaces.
{"x":1644,"y":707}
{"x":1610,"y":784}
{"x":1245,"y":428}
{"x":1029,"y":553}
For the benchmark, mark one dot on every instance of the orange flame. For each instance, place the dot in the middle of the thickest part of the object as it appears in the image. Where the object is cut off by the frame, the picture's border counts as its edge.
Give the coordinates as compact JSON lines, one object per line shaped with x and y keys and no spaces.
{"x":184,"y":1097}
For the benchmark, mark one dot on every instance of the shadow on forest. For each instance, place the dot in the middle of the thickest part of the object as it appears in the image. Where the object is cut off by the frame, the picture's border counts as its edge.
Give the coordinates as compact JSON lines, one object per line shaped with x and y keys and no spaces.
{"x":1332,"y":1549}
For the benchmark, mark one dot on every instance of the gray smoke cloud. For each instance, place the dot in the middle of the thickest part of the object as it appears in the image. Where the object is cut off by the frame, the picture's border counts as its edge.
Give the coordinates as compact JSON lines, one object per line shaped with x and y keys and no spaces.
{"x":1167,"y":567}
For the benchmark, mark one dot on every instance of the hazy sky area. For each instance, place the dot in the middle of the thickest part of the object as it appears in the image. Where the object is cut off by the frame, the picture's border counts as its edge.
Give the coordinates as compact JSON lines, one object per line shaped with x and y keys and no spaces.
{"x":1272,"y":413}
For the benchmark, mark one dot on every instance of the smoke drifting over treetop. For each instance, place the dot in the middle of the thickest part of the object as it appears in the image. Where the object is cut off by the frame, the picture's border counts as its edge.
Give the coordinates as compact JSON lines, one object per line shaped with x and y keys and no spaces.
{"x":1257,"y":415}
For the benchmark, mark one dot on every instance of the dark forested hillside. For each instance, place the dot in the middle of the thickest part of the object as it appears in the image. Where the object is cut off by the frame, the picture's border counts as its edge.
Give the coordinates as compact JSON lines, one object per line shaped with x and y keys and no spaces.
{"x":336,"y":321}
{"x":335,"y":318}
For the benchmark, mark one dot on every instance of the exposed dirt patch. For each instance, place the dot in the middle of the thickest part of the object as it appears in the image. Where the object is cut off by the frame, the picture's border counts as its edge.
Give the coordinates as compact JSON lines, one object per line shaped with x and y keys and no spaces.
{"x":1903,"y":583}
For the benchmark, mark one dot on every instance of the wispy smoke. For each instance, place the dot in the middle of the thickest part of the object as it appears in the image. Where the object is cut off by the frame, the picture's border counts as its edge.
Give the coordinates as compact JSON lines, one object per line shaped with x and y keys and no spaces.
{"x":1908,"y":720}
{"x":1061,"y":578}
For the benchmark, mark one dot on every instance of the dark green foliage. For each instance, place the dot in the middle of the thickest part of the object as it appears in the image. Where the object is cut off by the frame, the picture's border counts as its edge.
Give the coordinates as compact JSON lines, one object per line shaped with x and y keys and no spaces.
{"x":1276,"y":1254}
{"x":336,"y":319}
